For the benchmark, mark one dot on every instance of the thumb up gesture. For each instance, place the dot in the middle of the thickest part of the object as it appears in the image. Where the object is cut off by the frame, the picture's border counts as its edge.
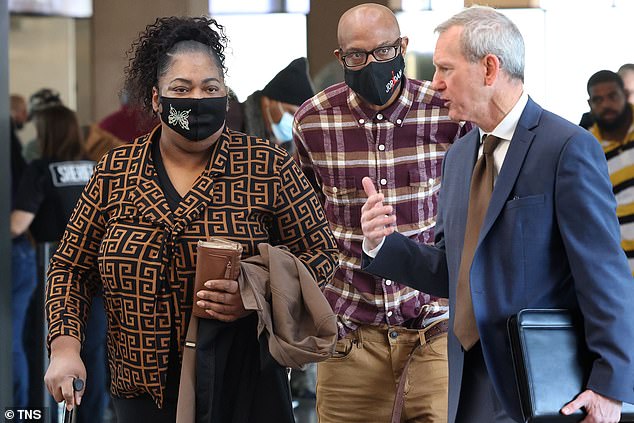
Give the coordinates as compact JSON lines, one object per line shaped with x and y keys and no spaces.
{"x":377,"y":220}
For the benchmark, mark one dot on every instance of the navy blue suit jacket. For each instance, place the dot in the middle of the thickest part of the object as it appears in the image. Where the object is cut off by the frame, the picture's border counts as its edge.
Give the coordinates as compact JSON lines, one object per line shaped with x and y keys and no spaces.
{"x":550,"y":239}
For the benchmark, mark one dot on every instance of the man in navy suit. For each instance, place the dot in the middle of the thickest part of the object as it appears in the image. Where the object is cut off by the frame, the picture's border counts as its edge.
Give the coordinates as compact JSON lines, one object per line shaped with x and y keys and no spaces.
{"x":549,"y":237}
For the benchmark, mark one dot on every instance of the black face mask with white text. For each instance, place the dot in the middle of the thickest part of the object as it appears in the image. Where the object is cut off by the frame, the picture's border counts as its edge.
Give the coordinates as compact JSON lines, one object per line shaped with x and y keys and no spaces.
{"x":194,"y":118}
{"x":377,"y":81}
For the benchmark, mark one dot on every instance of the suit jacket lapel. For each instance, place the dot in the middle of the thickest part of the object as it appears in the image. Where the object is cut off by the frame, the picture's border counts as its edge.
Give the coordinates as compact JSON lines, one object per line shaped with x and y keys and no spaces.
{"x":518,"y":148}
{"x":466,"y":149}
{"x":471,"y":147}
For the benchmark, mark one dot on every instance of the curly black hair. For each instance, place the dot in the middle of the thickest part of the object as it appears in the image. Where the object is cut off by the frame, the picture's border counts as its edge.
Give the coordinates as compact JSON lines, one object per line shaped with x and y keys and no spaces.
{"x":149,"y":54}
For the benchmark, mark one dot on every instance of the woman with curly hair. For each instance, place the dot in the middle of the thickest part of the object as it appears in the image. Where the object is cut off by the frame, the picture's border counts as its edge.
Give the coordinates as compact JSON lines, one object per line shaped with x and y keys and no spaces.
{"x":135,"y":231}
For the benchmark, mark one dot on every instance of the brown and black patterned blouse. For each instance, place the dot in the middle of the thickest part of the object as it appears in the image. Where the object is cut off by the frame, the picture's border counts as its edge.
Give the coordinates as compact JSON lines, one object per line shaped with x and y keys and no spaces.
{"x":123,"y":231}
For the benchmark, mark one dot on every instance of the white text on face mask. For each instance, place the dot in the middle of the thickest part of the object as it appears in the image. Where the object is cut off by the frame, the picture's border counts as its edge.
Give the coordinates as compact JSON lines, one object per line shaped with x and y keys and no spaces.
{"x":395,"y":78}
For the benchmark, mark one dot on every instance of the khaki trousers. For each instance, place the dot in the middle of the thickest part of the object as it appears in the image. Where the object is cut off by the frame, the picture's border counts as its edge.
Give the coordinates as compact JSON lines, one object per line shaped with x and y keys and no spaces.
{"x":358,"y":384}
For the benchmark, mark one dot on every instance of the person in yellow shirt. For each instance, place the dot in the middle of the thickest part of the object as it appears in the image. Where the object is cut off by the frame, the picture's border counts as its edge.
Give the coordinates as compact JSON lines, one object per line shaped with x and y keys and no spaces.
{"x":613,"y":127}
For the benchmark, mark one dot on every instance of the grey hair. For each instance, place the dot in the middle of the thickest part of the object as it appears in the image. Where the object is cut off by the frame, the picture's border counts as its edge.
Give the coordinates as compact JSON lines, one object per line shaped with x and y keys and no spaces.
{"x":487,"y":31}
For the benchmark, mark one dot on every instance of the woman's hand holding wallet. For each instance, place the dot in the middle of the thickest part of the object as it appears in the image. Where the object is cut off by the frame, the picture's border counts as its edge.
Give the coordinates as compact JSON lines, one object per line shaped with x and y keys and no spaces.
{"x":221,"y":300}
{"x":216,"y":291}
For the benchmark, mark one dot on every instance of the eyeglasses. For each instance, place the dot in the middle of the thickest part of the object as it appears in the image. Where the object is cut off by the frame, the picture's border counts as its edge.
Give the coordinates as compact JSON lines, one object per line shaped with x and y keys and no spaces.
{"x":380,"y":54}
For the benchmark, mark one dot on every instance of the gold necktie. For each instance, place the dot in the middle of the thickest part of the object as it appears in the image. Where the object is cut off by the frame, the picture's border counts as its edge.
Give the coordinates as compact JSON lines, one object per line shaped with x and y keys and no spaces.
{"x":480,"y":192}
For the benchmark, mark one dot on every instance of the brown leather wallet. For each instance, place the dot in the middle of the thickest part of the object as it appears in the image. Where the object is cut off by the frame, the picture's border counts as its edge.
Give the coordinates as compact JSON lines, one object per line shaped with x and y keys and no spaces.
{"x":217,"y":258}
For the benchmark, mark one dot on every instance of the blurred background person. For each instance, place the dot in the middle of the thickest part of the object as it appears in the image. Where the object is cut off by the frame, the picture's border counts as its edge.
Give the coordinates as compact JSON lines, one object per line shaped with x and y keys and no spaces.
{"x":61,"y":148}
{"x":98,"y":137}
{"x":47,"y":194}
{"x":23,"y":265}
{"x":268,"y":113}
{"x":19,"y":113}
{"x":18,"y":117}
{"x":38,"y":101}
{"x":127,"y":123}
{"x":613,"y":127}
{"x":120,"y":127}
{"x":626,"y":72}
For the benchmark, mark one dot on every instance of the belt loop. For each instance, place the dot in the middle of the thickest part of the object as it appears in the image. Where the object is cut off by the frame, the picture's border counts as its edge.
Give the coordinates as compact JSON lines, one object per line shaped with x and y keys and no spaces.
{"x":433,"y":330}
{"x":421,"y":336}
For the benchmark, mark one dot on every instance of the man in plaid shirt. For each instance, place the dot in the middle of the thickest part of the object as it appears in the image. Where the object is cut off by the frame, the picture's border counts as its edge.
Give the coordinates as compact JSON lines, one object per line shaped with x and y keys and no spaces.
{"x":395,"y":130}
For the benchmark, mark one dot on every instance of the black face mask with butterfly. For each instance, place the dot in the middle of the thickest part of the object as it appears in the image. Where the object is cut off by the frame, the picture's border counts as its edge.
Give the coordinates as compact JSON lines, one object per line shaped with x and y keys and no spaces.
{"x":194,"y":118}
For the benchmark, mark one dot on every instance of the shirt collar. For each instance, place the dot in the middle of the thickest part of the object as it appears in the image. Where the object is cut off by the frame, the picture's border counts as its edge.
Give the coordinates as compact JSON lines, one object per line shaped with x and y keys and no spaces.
{"x":219,"y":156}
{"x":506,"y":128}
{"x":395,"y":113}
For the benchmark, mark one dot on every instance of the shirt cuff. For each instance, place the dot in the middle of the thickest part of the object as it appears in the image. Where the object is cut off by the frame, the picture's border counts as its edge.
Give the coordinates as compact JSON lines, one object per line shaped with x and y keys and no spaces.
{"x":373,"y":252}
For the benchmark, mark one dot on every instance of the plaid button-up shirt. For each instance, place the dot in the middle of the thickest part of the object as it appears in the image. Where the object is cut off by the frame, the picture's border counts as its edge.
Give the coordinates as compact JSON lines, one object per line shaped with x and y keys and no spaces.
{"x":340,"y":140}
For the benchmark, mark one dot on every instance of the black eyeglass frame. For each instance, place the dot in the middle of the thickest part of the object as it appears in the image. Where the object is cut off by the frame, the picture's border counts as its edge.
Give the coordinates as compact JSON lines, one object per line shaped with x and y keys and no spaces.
{"x":397,"y":46}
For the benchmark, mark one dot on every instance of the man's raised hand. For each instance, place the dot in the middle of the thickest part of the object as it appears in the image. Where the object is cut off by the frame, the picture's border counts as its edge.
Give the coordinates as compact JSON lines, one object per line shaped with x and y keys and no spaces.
{"x":377,"y":220}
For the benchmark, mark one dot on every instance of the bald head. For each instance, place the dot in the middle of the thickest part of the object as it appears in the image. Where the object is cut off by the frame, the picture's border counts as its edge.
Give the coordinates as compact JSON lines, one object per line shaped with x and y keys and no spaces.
{"x":365,"y":24}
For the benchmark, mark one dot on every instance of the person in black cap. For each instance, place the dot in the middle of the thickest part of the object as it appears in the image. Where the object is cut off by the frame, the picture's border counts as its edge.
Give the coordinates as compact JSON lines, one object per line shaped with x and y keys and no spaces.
{"x":268,"y":113}
{"x":40,"y":100}
{"x":43,"y":99}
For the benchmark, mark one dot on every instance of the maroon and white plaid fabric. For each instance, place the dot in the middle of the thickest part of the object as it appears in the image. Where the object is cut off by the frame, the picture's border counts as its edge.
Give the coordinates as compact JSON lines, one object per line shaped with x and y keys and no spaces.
{"x":339,"y":141}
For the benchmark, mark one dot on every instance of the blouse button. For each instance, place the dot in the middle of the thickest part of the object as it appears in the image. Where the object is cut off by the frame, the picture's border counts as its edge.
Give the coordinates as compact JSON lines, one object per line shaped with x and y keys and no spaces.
{"x":381,"y":147}
{"x":388,"y":282}
{"x":389,"y":313}
{"x":398,"y":121}
{"x":361,"y":121}
{"x":383,"y":181}
{"x":379,"y":116}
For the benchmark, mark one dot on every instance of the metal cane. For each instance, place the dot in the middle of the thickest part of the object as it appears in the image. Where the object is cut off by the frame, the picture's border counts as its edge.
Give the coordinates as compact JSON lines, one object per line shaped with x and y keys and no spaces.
{"x":69,"y":415}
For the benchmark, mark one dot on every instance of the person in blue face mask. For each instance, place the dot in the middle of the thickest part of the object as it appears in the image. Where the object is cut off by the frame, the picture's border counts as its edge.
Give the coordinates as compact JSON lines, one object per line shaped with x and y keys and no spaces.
{"x":268,"y":113}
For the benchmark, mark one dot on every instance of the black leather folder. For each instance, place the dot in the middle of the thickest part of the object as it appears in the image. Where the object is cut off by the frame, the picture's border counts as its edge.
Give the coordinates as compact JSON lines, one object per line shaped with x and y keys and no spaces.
{"x":552,"y":364}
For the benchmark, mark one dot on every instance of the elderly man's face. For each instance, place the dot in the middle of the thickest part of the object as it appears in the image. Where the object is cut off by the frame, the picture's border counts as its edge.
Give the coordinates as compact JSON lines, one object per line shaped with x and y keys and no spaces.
{"x":459,"y":81}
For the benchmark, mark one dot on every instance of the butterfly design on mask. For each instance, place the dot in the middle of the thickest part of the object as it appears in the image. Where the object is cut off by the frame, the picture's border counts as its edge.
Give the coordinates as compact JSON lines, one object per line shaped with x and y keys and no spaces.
{"x":179,"y":117}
